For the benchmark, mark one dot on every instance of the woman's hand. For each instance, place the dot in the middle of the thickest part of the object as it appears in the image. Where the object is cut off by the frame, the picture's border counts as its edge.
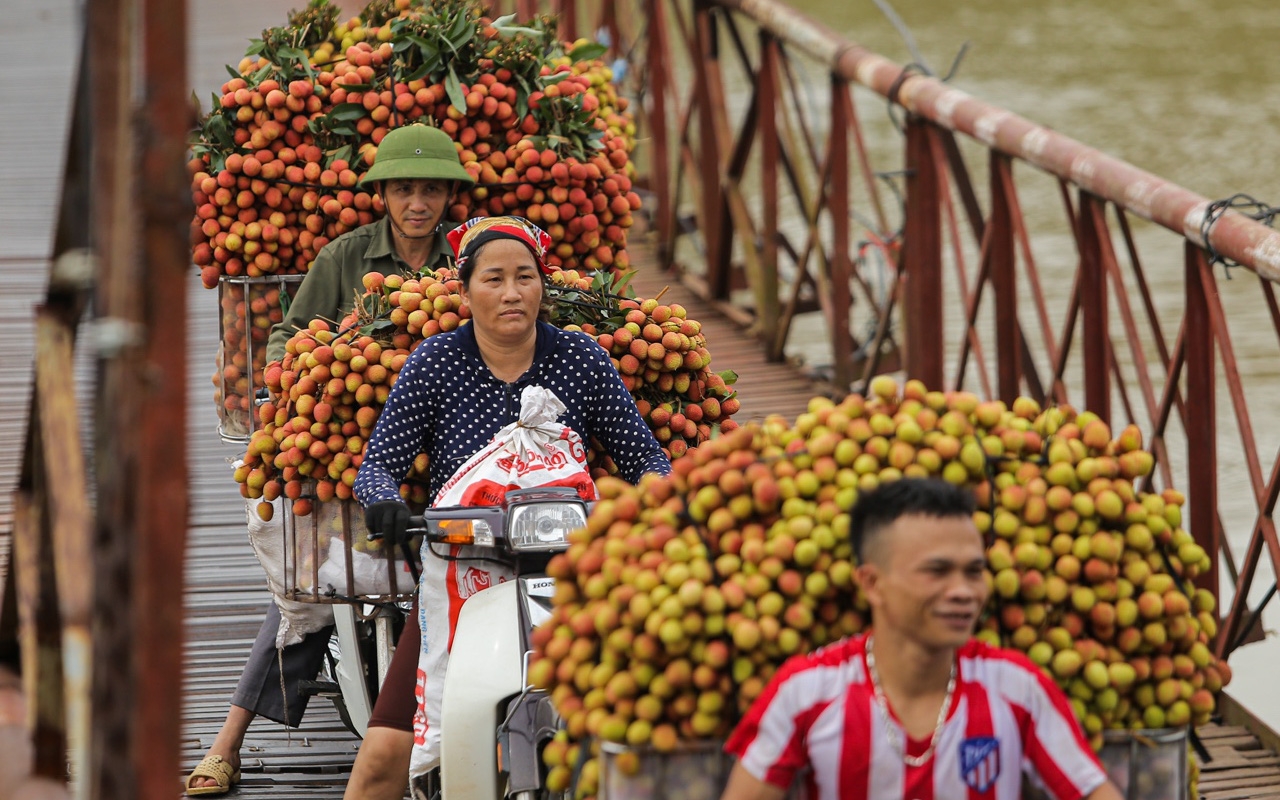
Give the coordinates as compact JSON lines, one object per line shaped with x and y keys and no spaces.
{"x":388,"y":519}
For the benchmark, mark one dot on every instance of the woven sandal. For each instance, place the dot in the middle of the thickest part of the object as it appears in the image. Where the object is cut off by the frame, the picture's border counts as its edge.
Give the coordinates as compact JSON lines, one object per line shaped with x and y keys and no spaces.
{"x":218,"y":769}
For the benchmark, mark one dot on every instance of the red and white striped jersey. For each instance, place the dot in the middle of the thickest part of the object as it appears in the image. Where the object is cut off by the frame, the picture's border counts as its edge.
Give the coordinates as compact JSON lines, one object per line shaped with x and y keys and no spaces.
{"x":819,"y":711}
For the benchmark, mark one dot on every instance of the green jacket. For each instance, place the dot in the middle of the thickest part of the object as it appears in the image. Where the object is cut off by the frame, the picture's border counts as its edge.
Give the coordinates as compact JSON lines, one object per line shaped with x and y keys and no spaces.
{"x":329,"y":290}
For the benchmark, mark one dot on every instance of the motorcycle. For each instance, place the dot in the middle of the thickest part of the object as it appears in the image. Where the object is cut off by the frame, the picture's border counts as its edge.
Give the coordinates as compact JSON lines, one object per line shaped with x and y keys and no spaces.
{"x":366,"y":630}
{"x":494,"y":724}
{"x":359,"y":654}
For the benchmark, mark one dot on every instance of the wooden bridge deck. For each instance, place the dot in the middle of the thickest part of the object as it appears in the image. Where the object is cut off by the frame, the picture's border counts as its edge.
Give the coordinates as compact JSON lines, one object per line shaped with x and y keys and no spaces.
{"x":1241,"y":769}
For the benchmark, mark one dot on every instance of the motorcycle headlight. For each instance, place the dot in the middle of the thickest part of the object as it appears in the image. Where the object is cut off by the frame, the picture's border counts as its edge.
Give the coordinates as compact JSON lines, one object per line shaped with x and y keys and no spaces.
{"x":544,"y":526}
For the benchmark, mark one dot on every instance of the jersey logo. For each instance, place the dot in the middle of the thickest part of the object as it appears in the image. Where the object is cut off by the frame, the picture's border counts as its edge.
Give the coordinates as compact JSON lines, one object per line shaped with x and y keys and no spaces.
{"x":980,"y":762}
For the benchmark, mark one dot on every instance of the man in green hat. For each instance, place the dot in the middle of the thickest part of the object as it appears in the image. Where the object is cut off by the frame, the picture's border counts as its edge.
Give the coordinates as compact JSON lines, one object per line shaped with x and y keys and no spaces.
{"x":417,"y":172}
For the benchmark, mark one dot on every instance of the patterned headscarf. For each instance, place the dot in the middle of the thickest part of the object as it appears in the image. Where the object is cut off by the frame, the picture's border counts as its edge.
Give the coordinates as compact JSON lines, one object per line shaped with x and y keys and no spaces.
{"x":473,"y":234}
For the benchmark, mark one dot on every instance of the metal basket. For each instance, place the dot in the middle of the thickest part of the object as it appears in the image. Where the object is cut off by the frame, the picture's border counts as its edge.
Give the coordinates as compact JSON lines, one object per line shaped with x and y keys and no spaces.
{"x":1143,"y":764}
{"x":1147,"y":764}
{"x":248,"y":309}
{"x":697,"y":770}
{"x":329,"y":559}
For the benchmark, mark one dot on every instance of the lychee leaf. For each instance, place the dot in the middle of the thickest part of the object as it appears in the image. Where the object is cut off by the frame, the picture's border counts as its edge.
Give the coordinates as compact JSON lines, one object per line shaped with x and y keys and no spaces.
{"x":463,"y":31}
{"x":513,"y":30}
{"x":454,"y":89}
{"x":346,"y":112}
{"x":417,"y":74}
{"x":622,"y":287}
{"x":730,"y":377}
{"x":587,"y":51}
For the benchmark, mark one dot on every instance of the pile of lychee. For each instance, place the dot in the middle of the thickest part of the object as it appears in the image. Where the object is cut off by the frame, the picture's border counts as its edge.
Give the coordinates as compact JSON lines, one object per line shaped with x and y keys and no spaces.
{"x":276,"y":167}
{"x":683,"y":595}
{"x":330,"y":387}
{"x":279,"y":157}
{"x":662,"y":358}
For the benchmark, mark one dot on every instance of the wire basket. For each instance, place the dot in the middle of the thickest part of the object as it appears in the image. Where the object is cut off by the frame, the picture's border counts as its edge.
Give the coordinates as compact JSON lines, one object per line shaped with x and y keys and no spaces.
{"x":696,"y":770}
{"x":1147,"y":764}
{"x":1143,"y":764}
{"x":249,"y":307}
{"x":329,"y":558}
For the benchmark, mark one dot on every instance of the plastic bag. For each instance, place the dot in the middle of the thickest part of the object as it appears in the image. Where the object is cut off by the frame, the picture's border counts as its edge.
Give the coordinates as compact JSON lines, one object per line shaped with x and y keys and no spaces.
{"x":340,"y":526}
{"x":268,"y":541}
{"x":534,"y":451}
{"x":369,"y":575}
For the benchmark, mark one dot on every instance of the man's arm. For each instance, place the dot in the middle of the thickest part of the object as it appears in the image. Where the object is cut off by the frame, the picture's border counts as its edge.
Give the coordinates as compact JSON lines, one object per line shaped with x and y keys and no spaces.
{"x":745,"y":786}
{"x":319,"y":295}
{"x":1107,"y":791}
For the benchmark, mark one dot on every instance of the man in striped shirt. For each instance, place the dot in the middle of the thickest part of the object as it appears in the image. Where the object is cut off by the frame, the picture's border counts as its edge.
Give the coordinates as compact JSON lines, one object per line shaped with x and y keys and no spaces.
{"x":916,"y":709}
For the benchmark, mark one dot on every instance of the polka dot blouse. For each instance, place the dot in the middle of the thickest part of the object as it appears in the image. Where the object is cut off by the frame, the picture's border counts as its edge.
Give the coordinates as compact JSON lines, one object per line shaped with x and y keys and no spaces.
{"x":448,"y":404}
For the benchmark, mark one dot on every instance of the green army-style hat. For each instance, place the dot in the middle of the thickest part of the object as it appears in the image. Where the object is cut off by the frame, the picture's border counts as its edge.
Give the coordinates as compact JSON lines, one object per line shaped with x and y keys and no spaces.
{"x":416,"y":152}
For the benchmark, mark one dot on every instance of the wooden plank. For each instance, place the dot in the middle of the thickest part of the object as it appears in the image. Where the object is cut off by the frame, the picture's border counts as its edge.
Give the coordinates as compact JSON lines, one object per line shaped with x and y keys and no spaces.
{"x":1245,"y":742}
{"x":1268,"y":781}
{"x":1235,"y":760}
{"x":1247,"y":793}
{"x":1244,"y":773}
{"x":1208,"y":732}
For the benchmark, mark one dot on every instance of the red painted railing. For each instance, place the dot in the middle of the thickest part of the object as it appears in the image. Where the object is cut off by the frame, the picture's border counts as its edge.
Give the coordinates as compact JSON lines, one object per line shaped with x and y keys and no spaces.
{"x":782,"y":199}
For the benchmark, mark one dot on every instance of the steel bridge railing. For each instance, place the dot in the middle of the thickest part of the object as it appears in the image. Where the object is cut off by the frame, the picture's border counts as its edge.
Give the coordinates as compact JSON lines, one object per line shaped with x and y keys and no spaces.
{"x":727,"y":177}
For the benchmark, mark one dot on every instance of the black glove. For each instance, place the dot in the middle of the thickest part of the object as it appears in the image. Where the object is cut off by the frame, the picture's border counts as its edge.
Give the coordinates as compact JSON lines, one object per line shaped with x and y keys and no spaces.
{"x":388,"y":519}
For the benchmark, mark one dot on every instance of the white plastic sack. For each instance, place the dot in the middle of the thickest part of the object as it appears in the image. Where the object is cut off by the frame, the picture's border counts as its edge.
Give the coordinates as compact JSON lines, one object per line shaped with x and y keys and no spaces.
{"x":534,"y":451}
{"x":268,"y":542}
{"x":369,"y":574}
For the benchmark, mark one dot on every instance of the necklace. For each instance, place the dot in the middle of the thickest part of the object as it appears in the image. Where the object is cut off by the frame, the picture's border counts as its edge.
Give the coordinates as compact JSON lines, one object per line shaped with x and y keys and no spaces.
{"x":891,"y":727}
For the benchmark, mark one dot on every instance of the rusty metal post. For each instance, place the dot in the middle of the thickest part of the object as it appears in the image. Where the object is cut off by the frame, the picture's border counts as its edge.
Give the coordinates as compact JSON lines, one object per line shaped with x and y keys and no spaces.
{"x":657,"y":59}
{"x":39,"y":634}
{"x":566,"y":12}
{"x":1202,"y":436}
{"x":63,"y":488}
{"x":1093,"y":303}
{"x":111,"y":52}
{"x":764,"y":286}
{"x":526,"y":9}
{"x":716,"y":231}
{"x":161,"y":490}
{"x":922,"y":259}
{"x":841,"y":260}
{"x":1004,"y":281}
